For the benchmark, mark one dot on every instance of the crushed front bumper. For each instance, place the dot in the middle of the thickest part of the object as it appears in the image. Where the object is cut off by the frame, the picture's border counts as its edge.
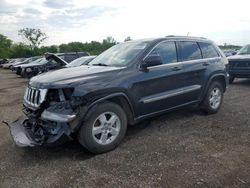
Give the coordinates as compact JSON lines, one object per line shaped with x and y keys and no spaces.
{"x":25,"y":134}
{"x":20,"y":135}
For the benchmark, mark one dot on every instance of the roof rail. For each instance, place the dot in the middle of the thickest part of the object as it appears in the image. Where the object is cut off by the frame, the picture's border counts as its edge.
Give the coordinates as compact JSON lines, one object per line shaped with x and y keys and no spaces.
{"x":184,"y":36}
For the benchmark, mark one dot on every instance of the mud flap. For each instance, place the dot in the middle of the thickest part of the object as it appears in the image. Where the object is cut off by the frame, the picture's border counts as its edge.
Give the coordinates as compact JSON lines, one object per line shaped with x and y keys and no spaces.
{"x":19,"y":134}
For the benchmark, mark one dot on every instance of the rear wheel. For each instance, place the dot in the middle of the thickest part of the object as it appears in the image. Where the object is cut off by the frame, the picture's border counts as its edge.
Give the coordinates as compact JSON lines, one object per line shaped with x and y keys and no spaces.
{"x":104,"y":129}
{"x":213,"y":99}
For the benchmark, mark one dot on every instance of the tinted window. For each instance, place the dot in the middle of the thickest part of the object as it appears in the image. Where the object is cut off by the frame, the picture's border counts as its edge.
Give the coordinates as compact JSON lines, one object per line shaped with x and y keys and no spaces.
{"x":70,"y":57}
{"x":189,"y":51}
{"x":208,"y":50}
{"x":167,"y":51}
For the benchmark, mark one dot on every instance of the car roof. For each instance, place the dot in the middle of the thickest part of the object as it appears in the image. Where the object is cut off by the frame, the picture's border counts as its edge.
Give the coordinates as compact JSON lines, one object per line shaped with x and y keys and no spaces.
{"x":173,"y":37}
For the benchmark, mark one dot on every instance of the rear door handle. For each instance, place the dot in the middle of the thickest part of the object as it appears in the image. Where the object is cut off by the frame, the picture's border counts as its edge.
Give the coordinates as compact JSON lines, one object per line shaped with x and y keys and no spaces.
{"x":177,"y":68}
{"x":206,"y":63}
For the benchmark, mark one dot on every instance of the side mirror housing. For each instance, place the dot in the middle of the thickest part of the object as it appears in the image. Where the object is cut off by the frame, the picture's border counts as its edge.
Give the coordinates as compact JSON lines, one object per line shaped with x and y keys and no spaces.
{"x":152,"y":60}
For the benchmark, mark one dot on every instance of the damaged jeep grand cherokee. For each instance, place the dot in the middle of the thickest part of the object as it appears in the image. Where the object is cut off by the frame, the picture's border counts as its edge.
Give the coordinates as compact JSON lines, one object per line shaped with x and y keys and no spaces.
{"x":127,"y":83}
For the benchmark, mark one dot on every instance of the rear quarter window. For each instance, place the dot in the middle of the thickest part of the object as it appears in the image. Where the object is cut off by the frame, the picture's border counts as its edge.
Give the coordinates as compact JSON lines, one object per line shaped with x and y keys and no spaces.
{"x":208,"y":50}
{"x":189,"y":50}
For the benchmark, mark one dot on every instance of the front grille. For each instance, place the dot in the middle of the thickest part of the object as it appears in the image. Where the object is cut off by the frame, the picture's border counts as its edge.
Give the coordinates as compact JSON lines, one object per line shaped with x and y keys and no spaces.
{"x":239,"y":64}
{"x":34,"y":97}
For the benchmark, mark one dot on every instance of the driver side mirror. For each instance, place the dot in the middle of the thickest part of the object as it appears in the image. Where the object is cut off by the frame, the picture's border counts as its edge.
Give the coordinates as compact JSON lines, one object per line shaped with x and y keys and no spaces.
{"x":152,"y":60}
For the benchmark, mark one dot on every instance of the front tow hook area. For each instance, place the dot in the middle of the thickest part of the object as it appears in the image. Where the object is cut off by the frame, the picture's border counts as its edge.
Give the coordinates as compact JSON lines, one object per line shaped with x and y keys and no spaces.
{"x":20,"y":134}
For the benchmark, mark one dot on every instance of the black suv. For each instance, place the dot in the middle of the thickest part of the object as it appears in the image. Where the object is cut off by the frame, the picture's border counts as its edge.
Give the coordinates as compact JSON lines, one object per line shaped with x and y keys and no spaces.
{"x":127,"y":83}
{"x":239,"y":64}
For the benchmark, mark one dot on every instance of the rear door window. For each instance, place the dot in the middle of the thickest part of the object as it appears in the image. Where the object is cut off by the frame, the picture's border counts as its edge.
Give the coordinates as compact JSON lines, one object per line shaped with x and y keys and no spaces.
{"x":208,"y":50}
{"x":189,"y":51}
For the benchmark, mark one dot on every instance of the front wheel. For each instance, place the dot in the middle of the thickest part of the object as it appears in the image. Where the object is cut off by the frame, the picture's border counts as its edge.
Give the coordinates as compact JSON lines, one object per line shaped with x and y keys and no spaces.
{"x":213,"y":99}
{"x":104,"y":129}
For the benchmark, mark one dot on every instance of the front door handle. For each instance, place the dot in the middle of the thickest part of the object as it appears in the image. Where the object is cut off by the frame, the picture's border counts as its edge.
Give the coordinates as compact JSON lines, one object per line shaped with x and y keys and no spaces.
{"x":177,"y":68}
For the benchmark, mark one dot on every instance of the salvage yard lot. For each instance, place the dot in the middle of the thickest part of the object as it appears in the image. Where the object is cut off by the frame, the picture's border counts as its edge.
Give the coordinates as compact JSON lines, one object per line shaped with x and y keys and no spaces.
{"x":184,"y":148}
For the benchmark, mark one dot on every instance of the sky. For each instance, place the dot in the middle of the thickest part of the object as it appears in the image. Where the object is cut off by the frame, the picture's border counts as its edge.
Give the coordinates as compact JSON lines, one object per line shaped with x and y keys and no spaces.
{"x":223,"y":21}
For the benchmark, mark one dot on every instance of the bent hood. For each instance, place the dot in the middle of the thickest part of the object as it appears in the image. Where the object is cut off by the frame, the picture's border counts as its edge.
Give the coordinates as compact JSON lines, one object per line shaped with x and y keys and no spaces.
{"x":73,"y":75}
{"x":239,"y":57}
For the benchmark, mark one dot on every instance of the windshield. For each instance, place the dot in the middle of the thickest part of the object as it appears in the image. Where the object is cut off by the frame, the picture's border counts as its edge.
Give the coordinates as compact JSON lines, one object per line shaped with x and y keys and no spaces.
{"x":37,"y":61}
{"x":80,"y":61}
{"x":120,"y":54}
{"x":42,"y":61}
{"x":245,"y":50}
{"x":25,"y":61}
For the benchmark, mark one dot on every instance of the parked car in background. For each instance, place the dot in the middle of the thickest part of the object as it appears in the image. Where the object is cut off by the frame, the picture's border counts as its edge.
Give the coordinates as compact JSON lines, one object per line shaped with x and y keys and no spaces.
{"x":81,"y":61}
{"x":50,"y":62}
{"x":239,"y":64}
{"x":229,"y":52}
{"x":3,"y":61}
{"x":9,"y":64}
{"x":26,"y":61}
{"x":18,"y":68}
{"x":127,"y":83}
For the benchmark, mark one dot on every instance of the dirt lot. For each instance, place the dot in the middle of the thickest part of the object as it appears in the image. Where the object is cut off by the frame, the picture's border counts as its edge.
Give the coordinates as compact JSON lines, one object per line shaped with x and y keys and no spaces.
{"x":181,"y":149}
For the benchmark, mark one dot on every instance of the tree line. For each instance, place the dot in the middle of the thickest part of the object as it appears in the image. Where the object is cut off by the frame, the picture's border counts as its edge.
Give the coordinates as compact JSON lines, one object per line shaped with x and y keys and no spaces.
{"x":35,"y":37}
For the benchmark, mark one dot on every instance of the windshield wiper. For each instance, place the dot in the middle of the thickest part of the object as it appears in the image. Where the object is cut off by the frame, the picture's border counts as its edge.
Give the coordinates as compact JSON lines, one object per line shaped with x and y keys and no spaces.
{"x":100,"y":64}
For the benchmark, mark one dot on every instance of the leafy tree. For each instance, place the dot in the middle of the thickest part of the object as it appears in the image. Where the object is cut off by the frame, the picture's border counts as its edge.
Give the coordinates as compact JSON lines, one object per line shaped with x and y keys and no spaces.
{"x":93,"y":47}
{"x":5,"y":45}
{"x":34,"y":36}
{"x":63,"y":48}
{"x":5,"y":42}
{"x":21,"y":50}
{"x":226,"y":46}
{"x":9,"y":50}
{"x":109,"y":40}
{"x":52,"y":49}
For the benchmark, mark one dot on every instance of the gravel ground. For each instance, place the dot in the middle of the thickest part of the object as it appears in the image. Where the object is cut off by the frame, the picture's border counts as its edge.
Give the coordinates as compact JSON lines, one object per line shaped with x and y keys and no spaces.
{"x":184,"y":148}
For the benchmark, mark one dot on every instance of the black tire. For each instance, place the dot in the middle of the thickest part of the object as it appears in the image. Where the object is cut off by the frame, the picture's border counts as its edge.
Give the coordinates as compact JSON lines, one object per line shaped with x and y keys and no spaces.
{"x":206,"y":106}
{"x":23,"y":74}
{"x":231,"y":79}
{"x":88,"y":140}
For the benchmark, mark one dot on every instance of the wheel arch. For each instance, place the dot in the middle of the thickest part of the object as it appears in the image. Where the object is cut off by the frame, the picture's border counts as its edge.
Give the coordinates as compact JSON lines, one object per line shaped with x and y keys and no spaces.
{"x":220,"y":77}
{"x":120,"y":99}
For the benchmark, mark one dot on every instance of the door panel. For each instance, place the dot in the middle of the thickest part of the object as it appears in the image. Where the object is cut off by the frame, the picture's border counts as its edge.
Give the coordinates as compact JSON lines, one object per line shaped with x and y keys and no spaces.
{"x":154,"y":89}
{"x":159,"y":87}
{"x":194,"y":74}
{"x":194,"y":68}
